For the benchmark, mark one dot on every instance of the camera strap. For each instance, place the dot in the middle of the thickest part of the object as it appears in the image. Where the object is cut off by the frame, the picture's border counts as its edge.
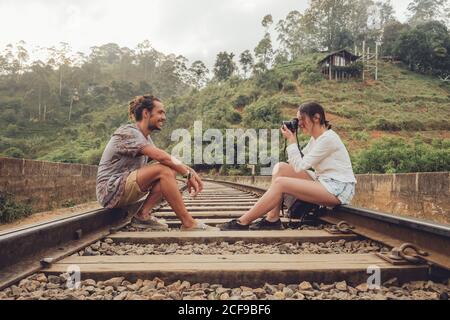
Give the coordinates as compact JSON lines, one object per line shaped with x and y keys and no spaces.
{"x":298,"y":145}
{"x":286,"y":159}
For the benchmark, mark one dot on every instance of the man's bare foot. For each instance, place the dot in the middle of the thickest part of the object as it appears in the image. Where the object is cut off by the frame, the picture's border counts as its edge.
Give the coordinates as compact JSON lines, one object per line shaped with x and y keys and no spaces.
{"x":198,"y":226}
{"x":143,"y":216}
{"x":189,"y":224}
{"x":150,"y":223}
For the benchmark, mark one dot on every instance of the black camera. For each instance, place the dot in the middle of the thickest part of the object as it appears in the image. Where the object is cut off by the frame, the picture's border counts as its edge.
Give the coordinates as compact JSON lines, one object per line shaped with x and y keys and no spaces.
{"x":292,"y":125}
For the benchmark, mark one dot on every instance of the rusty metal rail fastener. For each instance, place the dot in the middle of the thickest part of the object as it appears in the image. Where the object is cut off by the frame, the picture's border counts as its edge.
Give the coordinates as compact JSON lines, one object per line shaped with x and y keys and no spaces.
{"x":407,"y":253}
{"x":47,"y":262}
{"x":342,"y":227}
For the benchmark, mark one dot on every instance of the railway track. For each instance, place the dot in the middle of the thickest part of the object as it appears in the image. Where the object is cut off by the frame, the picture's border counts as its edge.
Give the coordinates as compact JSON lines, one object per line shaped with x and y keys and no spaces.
{"x":117,"y":261}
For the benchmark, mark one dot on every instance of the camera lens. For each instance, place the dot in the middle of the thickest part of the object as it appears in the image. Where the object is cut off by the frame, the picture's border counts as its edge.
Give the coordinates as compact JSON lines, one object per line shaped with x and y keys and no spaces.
{"x":291,"y":125}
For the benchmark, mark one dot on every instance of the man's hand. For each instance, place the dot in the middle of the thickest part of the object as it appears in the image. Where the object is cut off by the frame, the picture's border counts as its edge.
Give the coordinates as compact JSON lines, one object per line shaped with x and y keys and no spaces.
{"x":195,"y":184}
{"x":198,"y":179}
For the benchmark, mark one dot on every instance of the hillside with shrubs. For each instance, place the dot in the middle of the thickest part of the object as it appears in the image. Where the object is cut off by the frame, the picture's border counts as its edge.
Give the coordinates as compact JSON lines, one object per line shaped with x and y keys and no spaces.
{"x":65,"y":107}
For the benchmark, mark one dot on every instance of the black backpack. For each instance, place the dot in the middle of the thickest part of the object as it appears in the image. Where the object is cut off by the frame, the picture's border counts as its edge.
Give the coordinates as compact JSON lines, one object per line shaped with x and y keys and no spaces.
{"x":306,"y":212}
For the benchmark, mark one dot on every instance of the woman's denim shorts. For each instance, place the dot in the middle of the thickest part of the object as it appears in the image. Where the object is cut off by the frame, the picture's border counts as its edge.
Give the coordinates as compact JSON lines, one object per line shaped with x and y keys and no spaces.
{"x":344,"y":191}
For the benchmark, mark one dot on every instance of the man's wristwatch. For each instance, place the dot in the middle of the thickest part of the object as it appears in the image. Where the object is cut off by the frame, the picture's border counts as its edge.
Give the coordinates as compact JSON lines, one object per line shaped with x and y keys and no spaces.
{"x":188,"y":175}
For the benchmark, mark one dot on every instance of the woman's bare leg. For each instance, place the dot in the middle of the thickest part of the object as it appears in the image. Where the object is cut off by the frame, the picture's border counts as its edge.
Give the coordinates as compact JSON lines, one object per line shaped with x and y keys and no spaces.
{"x":309,"y":191}
{"x":284,"y":170}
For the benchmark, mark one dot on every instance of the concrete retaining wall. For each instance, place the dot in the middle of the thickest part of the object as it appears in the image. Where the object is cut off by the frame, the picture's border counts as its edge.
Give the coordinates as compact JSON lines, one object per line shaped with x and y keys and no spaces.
{"x":420,"y":195}
{"x":47,"y":185}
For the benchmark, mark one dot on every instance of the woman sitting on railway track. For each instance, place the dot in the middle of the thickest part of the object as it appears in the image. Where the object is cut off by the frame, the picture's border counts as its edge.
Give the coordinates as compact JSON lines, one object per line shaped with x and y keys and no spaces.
{"x":332,"y":183}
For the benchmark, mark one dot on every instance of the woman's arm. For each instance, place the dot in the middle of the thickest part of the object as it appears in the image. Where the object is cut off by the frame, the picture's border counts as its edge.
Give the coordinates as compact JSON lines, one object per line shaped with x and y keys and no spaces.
{"x":321,"y":150}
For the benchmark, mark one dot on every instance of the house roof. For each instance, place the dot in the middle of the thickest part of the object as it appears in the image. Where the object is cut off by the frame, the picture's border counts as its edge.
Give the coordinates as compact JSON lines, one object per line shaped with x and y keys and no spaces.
{"x":345,"y":52}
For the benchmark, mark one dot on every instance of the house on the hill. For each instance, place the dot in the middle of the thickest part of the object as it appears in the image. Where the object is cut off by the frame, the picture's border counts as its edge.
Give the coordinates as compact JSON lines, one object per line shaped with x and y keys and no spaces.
{"x":341,"y":65}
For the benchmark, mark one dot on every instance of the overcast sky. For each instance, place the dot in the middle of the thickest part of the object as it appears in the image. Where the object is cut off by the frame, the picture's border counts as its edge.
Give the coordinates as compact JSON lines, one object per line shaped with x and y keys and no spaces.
{"x":197,"y":29}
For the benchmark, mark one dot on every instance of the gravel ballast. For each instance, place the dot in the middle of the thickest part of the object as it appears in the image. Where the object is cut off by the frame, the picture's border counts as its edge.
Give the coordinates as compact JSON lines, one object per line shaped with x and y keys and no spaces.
{"x":42,"y":287}
{"x":108,"y":247}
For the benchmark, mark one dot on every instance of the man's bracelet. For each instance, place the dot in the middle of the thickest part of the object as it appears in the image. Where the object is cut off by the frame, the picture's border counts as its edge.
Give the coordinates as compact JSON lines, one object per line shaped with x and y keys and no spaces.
{"x":188,"y":175}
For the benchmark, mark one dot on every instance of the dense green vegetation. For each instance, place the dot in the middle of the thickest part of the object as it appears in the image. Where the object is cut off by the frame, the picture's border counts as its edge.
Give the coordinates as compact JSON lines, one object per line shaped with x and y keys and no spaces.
{"x":65,"y":108}
{"x":403,"y":107}
{"x":397,"y":155}
{"x":11,"y":210}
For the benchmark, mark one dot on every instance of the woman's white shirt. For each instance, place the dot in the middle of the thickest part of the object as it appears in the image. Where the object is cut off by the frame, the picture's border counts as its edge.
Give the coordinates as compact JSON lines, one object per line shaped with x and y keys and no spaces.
{"x":327,"y":155}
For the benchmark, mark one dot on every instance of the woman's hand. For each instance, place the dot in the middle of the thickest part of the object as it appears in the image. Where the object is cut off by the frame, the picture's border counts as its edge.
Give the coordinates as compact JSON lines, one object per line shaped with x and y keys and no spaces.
{"x":288,"y":135}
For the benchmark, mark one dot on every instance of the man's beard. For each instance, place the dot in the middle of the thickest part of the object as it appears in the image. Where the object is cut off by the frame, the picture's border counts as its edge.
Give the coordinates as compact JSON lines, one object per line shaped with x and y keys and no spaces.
{"x":153,"y":128}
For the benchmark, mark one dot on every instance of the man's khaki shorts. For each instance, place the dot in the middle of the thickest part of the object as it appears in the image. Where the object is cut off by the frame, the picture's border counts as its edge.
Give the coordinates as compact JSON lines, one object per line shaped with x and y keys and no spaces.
{"x":132,"y":191}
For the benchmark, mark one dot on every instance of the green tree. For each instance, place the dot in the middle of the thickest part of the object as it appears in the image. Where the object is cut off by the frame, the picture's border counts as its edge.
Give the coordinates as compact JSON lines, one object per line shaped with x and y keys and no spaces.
{"x":246,"y":61}
{"x":181,"y":69}
{"x":426,"y":10}
{"x":329,"y":20}
{"x":224,"y":67}
{"x":107,"y":54}
{"x":22,"y":55}
{"x":171,"y":77}
{"x":127,"y":59}
{"x":293,"y":36}
{"x":360,"y":19}
{"x":3,"y":65}
{"x":147,"y":58}
{"x":391,"y":35}
{"x":267,"y":21}
{"x":426,"y":48}
{"x":39,"y":90}
{"x":11,"y":64}
{"x":198,"y":74}
{"x":59,"y":59}
{"x":386,"y":13}
{"x":264,"y":50}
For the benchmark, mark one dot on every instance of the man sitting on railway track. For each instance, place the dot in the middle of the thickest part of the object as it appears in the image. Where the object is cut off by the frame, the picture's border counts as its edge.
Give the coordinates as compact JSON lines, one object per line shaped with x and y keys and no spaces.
{"x":124,"y":176}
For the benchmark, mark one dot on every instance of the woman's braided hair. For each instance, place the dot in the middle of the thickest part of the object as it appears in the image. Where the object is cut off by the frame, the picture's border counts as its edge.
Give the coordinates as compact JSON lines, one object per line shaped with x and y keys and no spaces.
{"x":138,"y":104}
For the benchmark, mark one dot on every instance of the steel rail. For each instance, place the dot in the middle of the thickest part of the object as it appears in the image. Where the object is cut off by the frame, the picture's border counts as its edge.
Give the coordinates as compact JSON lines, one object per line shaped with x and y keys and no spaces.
{"x":386,"y":228}
{"x":22,"y":249}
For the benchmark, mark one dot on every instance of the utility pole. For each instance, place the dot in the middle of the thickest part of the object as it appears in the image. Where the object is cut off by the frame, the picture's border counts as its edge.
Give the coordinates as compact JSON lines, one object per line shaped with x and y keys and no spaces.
{"x":253,"y":167}
{"x":363,"y":60}
{"x":74,"y":98}
{"x":378,"y":43}
{"x":70,"y":109}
